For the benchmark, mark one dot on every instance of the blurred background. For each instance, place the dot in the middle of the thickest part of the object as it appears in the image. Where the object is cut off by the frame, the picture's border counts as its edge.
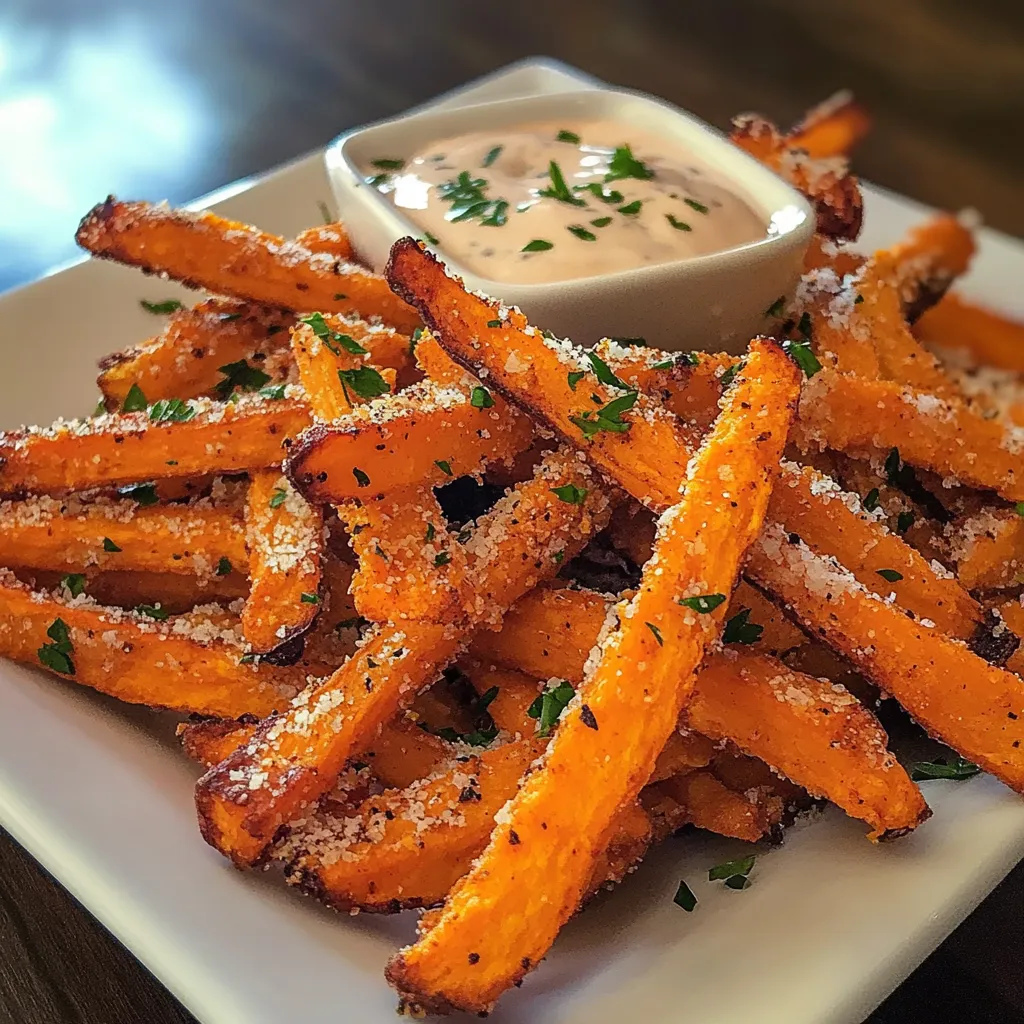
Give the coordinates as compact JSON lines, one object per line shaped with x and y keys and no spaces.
{"x":156,"y":100}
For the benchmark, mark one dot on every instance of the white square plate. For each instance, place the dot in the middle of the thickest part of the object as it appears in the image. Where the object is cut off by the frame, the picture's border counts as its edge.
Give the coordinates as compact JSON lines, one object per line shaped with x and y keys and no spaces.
{"x":100,"y":795}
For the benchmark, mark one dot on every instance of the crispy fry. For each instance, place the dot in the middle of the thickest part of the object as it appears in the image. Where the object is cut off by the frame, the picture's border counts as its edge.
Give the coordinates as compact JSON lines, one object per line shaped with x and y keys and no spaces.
{"x":217,"y":436}
{"x":425,"y":434}
{"x":330,"y":238}
{"x":184,"y":360}
{"x":548,"y":845}
{"x":137,"y":659}
{"x":988,"y":548}
{"x":990,"y":339}
{"x":284,"y":534}
{"x":72,"y":534}
{"x":832,"y":128}
{"x":173,"y":592}
{"x":293,"y":757}
{"x":1012,"y":613}
{"x":202,"y":250}
{"x":870,"y":417}
{"x":971,"y":705}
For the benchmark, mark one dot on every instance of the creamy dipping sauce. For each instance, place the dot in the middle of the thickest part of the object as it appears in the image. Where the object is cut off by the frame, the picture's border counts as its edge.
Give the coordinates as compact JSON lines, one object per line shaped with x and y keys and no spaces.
{"x":554,"y":202}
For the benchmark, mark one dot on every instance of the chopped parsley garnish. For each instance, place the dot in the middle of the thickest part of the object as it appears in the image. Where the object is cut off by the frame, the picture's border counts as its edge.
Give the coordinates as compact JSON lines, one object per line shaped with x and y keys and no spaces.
{"x":581,"y":233}
{"x":361,"y":478}
{"x":870,"y":501}
{"x":332,"y":339}
{"x":558,"y":557}
{"x":365,"y":381}
{"x":776,"y":308}
{"x":730,"y":374}
{"x":575,"y":376}
{"x":603,"y":372}
{"x":73,"y":583}
{"x":161,"y":308}
{"x":429,"y":238}
{"x":657,"y":633}
{"x":109,"y":545}
{"x":491,"y":156}
{"x":538,"y":245}
{"x":171,"y":410}
{"x":135,"y":400}
{"x":224,"y":566}
{"x":374,"y":181}
{"x":225,"y":317}
{"x":570,"y":494}
{"x":444,"y":465}
{"x":631,"y":209}
{"x":278,"y":498}
{"x":1019,"y":508}
{"x":431,"y":532}
{"x":242,"y":376}
{"x":442,"y":558}
{"x":558,"y":188}
{"x":694,"y":205}
{"x":957,"y":769}
{"x":801,"y":354}
{"x":665,"y":364}
{"x":468,"y":201}
{"x":703,"y":603}
{"x":624,"y":165}
{"x":152,"y":611}
{"x":890,"y":575}
{"x":685,"y":898}
{"x":734,"y":872}
{"x":857,"y":301}
{"x":608,"y":417}
{"x":414,"y":339}
{"x":307,"y":598}
{"x":101,"y":407}
{"x":493,"y":323}
{"x":275,"y":392}
{"x":143,"y":494}
{"x":325,"y":213}
{"x":387,"y":164}
{"x":740,"y":630}
{"x":892,"y":465}
{"x":601,"y":222}
{"x":549,"y":706}
{"x":484,"y":701}
{"x":57,"y":655}
{"x":567,"y":136}
{"x":480,"y":398}
{"x":679,"y":225}
{"x":905,"y":520}
{"x":606,"y":195}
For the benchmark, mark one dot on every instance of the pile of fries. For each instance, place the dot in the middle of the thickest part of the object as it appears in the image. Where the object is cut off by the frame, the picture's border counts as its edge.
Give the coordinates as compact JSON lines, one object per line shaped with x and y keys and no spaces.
{"x":345,"y":523}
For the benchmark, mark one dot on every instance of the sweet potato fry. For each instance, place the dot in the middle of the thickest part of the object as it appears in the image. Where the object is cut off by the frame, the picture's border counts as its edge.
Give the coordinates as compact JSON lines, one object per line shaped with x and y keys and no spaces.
{"x":871,"y":417}
{"x":988,"y":548}
{"x":330,"y":238}
{"x":72,"y":534}
{"x":199,"y":436}
{"x":610,"y":736}
{"x":293,"y":757}
{"x":425,"y":434}
{"x":202,"y":250}
{"x":284,"y":535}
{"x":185,"y":359}
{"x":173,"y":592}
{"x":1012,"y":613}
{"x":832,"y":128}
{"x":754,"y":701}
{"x":971,"y":705}
{"x":990,"y":339}
{"x":136,"y":658}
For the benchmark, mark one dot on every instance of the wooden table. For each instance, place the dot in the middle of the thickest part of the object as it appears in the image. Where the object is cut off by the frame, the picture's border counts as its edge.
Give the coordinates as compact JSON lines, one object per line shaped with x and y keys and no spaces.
{"x":150,"y":99}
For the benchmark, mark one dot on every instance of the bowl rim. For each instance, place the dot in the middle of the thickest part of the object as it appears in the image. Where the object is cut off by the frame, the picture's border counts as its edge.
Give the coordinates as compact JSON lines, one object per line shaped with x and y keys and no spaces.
{"x":754,"y":182}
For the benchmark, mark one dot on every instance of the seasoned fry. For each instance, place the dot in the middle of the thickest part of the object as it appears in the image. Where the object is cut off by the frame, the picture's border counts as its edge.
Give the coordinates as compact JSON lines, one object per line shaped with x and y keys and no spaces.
{"x":173,"y":592}
{"x":202,"y":250}
{"x":832,"y":128}
{"x":926,"y":672}
{"x":284,"y":535}
{"x":425,"y":434}
{"x":185,"y":359}
{"x":204,"y":436}
{"x":292,"y":758}
{"x":330,"y":238}
{"x":73,"y":534}
{"x":870,"y":417}
{"x":955,"y":323}
{"x":609,"y":738}
{"x":130,"y":655}
{"x":988,"y":548}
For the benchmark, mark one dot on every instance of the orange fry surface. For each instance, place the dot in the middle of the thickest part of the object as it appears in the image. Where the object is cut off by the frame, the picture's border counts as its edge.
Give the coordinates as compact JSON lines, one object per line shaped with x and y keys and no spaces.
{"x":988,"y":548}
{"x":955,"y":323}
{"x":832,"y":128}
{"x":202,"y":250}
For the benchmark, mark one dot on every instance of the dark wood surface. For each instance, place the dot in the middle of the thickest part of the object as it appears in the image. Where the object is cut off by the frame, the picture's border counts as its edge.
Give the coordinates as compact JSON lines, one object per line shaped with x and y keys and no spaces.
{"x":151,"y":100}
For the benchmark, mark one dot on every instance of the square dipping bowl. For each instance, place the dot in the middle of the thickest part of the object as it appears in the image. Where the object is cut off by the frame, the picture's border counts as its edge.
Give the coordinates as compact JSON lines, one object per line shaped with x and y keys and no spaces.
{"x":711,"y":302}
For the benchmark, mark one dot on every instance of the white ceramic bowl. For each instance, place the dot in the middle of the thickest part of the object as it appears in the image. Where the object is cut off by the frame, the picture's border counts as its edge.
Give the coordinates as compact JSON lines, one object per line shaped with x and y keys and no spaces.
{"x":713,"y":302}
